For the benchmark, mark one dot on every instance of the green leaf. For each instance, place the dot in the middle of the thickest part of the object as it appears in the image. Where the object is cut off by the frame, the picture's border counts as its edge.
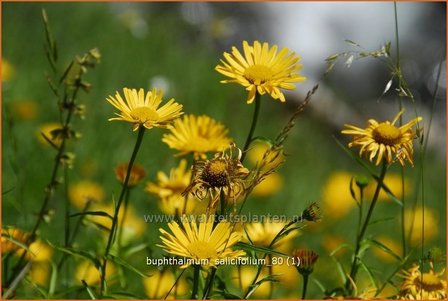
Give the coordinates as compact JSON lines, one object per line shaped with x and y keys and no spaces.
{"x":89,"y":291}
{"x":253,"y":287}
{"x":340,"y":269}
{"x":79,"y":253}
{"x":53,"y":279}
{"x":383,"y":247}
{"x":369,"y":272}
{"x":95,"y":213}
{"x":134,"y":249}
{"x":340,"y":247}
{"x":126,"y":265}
{"x":381,"y":220}
{"x":248,"y":247}
{"x":37,"y":288}
{"x":319,"y":284}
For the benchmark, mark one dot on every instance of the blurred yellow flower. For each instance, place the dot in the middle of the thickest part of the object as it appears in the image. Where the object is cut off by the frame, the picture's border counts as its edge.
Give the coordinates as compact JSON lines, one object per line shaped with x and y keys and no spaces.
{"x":257,"y":151}
{"x":392,"y":244}
{"x":85,"y":191}
{"x":39,"y":251}
{"x":242,"y":277}
{"x":261,"y":70}
{"x":24,"y":109}
{"x":197,"y":135}
{"x":169,"y":190}
{"x":46,"y":129}
{"x":331,"y":241}
{"x":39,"y":273}
{"x":141,"y":110}
{"x":423,"y":286}
{"x":7,"y":70}
{"x":384,"y":140}
{"x":393,"y":182}
{"x":158,"y":284}
{"x":86,"y":271}
{"x":336,"y":198}
{"x":414,"y":224}
{"x":131,"y":226}
{"x":203,"y":242}
{"x":262,"y":234}
{"x":136,"y":175}
{"x":269,"y":186}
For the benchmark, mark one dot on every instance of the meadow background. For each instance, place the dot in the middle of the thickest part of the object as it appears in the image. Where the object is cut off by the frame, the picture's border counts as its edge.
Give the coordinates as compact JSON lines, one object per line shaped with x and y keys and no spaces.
{"x":177,"y":45}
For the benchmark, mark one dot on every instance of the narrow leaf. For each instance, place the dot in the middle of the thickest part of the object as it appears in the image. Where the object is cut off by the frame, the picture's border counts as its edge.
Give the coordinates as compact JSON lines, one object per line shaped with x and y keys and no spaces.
{"x":126,"y":265}
{"x":89,"y":291}
{"x":248,"y":247}
{"x":384,"y":248}
{"x":95,"y":213}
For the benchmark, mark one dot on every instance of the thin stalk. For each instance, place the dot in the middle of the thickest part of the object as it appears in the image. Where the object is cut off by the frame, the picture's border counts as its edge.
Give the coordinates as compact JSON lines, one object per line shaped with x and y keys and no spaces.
{"x":209,"y":287}
{"x":354,"y":268}
{"x":49,"y":191}
{"x":110,"y":240}
{"x":400,"y":108}
{"x":194,"y":292}
{"x":305,"y":285}
{"x":125,"y":210}
{"x":265,"y":255}
{"x":75,"y":232}
{"x":252,"y":126}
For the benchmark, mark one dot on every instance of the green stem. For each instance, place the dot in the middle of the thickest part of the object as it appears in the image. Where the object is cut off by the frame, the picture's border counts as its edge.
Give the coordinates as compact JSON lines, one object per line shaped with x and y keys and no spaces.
{"x":211,"y":280}
{"x":305,"y":285}
{"x":124,"y":188}
{"x":253,"y":125}
{"x":194,"y":292}
{"x":354,"y":268}
{"x":49,"y":192}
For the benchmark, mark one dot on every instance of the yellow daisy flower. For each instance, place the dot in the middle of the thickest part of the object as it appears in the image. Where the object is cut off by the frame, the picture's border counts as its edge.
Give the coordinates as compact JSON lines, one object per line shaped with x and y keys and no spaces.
{"x":261,"y":70}
{"x":224,"y":173}
{"x":159,"y":284}
{"x":262,"y":234}
{"x":142,"y":110}
{"x":197,"y":135}
{"x":384,"y":140}
{"x":169,"y":190}
{"x":423,"y":286}
{"x":202,"y":243}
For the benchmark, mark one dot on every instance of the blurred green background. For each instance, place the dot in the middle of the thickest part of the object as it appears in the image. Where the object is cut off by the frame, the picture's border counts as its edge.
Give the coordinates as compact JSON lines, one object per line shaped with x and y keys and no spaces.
{"x":146,"y":44}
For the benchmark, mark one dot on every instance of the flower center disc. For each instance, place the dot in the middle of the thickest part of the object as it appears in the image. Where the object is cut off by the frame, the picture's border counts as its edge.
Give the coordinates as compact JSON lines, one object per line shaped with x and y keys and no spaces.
{"x":429,"y":282}
{"x":258,"y":74}
{"x":386,"y":134}
{"x":202,"y":250}
{"x":144,"y":114}
{"x":215,"y":173}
